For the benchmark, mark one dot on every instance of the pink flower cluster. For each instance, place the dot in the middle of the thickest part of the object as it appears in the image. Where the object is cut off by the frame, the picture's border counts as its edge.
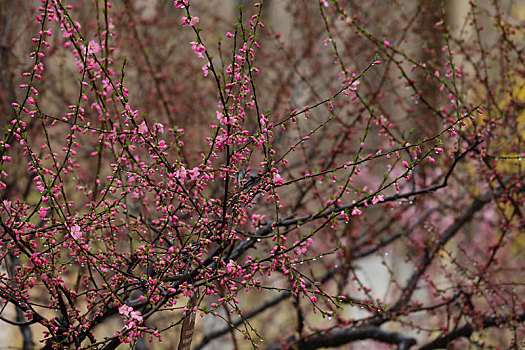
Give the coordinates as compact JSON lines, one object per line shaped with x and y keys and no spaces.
{"x":75,"y":232}
{"x":191,"y":21}
{"x":129,"y":313}
{"x":181,"y":3}
{"x":198,"y":48}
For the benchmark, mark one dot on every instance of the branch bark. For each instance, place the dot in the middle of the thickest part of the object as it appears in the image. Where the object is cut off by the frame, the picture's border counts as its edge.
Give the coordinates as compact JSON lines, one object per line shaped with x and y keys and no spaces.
{"x":466,"y":331}
{"x":340,"y":337}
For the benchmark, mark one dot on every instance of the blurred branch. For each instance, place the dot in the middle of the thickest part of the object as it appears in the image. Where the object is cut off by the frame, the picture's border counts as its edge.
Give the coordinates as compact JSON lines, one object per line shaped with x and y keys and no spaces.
{"x":443,"y":340}
{"x":340,"y":337}
{"x":431,"y":251}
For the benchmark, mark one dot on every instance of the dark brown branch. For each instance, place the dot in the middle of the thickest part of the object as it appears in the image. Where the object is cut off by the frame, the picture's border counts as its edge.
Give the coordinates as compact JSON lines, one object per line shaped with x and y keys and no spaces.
{"x":466,"y":331}
{"x":340,"y":337}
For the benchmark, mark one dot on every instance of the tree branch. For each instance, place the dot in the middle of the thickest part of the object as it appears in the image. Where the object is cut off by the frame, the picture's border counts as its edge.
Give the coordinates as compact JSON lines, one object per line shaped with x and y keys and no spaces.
{"x":466,"y":331}
{"x":340,"y":337}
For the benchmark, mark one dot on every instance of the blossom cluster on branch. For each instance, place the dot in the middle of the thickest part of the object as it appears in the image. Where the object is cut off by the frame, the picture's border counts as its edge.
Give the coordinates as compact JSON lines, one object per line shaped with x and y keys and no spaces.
{"x":173,"y":174}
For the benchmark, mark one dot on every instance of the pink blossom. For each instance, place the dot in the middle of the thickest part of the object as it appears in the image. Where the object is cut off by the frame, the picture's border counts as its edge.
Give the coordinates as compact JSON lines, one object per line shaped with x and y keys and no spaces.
{"x":42,"y":212}
{"x":136,"y":315}
{"x":405,"y":164}
{"x":75,"y":232}
{"x":277,"y":179}
{"x":124,"y":310}
{"x":180,"y":3}
{"x":128,"y":311}
{"x":181,"y":174}
{"x":221,"y":118}
{"x":194,"y":20}
{"x":143,"y":128}
{"x":309,"y":242}
{"x":40,"y":187}
{"x":205,"y":68}
{"x":198,"y":49}
{"x":7,"y":204}
{"x":230,"y":267}
{"x":377,"y":199}
{"x":158,"y":127}
{"x":229,"y":35}
{"x":356,"y":212}
{"x":187,"y":20}
{"x":194,"y":173}
{"x":162,"y":144}
{"x":93,"y":48}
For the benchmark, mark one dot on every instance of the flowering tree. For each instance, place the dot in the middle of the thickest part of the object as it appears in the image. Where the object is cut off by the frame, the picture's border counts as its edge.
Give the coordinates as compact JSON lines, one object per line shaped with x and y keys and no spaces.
{"x":170,"y":177}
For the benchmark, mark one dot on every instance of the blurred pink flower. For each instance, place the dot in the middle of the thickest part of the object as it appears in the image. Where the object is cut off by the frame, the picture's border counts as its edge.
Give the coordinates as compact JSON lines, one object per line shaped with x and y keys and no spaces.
{"x":93,"y":48}
{"x":75,"y":232}
{"x":143,"y":128}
